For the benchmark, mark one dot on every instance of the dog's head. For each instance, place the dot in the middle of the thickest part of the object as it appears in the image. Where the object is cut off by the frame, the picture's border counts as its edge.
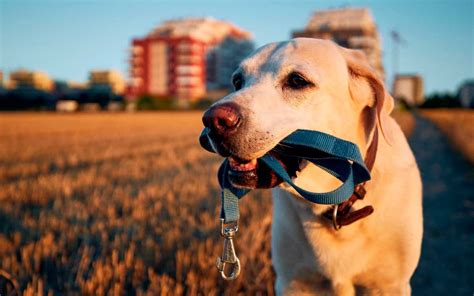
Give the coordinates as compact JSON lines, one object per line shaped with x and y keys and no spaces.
{"x":299,"y":84}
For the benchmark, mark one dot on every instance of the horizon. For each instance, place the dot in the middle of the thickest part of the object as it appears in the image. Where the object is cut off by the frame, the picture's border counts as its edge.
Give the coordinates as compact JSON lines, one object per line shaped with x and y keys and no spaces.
{"x":96,"y":35}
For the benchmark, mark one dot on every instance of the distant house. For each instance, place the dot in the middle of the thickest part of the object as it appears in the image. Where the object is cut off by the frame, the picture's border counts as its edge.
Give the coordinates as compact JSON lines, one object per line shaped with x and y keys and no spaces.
{"x":409,"y":89}
{"x":32,"y":80}
{"x":104,"y":89}
{"x":27,"y":90}
{"x":107,"y":78}
{"x":466,"y":94}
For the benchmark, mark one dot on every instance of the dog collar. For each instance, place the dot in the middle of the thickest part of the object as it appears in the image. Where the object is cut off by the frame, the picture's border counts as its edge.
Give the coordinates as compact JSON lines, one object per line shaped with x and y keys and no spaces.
{"x":341,"y":214}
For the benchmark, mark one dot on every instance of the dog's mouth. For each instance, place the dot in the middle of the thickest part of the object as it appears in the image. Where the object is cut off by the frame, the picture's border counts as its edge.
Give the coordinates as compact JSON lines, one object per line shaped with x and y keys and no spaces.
{"x":254,"y":173}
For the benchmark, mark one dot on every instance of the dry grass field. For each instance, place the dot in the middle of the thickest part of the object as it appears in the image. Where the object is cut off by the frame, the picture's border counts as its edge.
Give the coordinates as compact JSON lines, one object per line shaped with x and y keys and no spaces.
{"x":120,"y":204}
{"x":406,"y":120}
{"x":458,"y":125}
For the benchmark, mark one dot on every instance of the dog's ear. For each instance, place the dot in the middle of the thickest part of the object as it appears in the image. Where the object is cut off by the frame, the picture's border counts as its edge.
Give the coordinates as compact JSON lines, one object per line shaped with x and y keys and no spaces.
{"x":366,"y":85}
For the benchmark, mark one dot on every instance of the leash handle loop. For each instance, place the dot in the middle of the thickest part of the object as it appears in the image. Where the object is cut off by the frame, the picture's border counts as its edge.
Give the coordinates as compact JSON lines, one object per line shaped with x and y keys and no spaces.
{"x":336,"y":196}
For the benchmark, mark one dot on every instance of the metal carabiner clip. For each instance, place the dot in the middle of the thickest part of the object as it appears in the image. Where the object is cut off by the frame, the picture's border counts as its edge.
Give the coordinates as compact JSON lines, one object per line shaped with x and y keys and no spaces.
{"x":229,"y":256}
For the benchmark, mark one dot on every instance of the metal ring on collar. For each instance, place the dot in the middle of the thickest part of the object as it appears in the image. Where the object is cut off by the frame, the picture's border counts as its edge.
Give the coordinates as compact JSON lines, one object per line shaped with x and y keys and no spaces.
{"x":336,"y":225}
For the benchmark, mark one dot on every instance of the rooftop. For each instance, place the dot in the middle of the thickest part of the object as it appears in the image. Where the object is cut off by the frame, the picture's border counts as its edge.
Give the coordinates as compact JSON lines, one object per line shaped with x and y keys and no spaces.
{"x":341,"y":19}
{"x":208,"y":30}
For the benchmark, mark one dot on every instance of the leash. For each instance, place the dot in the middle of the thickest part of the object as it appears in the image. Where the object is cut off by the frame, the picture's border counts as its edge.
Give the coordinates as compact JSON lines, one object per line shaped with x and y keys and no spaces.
{"x":341,"y":214}
{"x":340,"y":158}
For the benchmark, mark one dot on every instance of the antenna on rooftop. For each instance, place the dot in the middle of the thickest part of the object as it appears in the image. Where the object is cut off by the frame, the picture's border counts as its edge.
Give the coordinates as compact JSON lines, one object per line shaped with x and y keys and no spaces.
{"x":397,"y":40}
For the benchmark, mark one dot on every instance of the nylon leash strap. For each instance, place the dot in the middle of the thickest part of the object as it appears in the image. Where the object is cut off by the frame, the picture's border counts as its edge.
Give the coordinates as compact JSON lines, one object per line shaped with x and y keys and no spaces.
{"x":340,"y":158}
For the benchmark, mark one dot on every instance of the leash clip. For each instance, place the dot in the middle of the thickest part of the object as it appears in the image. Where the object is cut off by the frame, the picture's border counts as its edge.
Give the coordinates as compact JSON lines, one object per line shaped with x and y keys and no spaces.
{"x":229,"y":257}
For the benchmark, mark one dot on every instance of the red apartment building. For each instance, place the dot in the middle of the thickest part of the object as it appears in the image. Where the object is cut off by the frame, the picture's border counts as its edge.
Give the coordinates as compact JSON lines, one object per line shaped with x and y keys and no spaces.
{"x":185,"y":58}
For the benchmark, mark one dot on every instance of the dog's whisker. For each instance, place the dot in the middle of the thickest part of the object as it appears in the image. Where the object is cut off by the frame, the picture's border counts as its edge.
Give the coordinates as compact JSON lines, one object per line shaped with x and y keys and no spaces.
{"x":283,"y":145}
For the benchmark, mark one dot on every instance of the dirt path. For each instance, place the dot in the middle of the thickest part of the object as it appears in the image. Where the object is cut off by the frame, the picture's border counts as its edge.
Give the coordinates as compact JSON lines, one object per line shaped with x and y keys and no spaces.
{"x":447,"y":261}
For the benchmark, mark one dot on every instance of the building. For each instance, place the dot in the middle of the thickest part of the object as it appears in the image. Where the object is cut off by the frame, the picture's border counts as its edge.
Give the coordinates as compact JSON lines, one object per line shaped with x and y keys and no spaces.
{"x":466,"y":94}
{"x":31,"y":79}
{"x":185,"y":58}
{"x":349,"y":27}
{"x":107,"y":78}
{"x":76,"y":85}
{"x":409,"y":88}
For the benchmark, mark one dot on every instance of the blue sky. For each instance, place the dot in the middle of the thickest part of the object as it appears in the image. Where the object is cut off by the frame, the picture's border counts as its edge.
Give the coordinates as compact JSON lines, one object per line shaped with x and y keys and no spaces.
{"x":68,"y":38}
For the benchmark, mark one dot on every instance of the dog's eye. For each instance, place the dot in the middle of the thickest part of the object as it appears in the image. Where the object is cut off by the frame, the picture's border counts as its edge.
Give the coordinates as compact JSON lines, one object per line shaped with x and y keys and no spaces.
{"x":237,"y":81}
{"x":296,"y":81}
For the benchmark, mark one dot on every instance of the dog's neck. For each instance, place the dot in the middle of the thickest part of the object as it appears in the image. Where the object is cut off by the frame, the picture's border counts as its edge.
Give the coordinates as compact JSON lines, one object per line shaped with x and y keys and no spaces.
{"x":315,"y":179}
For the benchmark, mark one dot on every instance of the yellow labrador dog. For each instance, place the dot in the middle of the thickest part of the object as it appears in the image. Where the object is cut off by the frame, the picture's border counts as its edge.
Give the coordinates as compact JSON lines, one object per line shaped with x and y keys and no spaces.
{"x":317,"y":85}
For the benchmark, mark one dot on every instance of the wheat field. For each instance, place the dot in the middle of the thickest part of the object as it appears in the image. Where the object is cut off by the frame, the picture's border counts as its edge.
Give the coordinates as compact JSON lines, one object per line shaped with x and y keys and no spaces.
{"x":115,"y":204}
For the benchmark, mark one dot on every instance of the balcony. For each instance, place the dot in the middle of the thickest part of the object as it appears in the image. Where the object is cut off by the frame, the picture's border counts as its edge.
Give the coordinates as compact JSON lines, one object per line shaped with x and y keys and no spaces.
{"x":188,"y":48}
{"x":188,"y":59}
{"x":188,"y":81}
{"x":188,"y":70}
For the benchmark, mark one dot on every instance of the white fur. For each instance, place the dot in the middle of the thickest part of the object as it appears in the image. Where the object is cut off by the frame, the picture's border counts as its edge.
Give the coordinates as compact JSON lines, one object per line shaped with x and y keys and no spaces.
{"x":376,"y":255}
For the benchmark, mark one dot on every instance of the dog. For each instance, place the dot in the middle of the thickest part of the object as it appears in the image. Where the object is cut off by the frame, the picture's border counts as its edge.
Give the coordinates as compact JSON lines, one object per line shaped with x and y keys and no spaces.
{"x":313,"y":84}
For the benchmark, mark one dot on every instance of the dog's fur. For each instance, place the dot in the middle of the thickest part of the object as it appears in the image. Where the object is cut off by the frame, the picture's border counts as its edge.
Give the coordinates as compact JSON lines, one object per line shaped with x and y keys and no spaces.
{"x":376,"y":255}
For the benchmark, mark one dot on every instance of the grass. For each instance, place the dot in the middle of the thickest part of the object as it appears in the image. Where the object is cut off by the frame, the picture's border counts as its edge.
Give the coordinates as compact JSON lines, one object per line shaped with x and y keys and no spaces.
{"x":406,"y":120}
{"x":458,"y":126}
{"x":120,"y":203}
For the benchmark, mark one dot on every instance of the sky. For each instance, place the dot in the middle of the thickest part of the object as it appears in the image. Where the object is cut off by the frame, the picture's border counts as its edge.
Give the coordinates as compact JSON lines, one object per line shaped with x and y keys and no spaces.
{"x":68,"y":38}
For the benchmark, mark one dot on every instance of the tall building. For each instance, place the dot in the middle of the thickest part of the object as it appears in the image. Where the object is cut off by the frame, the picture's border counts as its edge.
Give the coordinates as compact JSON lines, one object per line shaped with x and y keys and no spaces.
{"x":466,"y":94}
{"x":349,"y":27}
{"x":107,"y":78}
{"x":31,"y":79}
{"x":409,"y":88}
{"x":184,"y":58}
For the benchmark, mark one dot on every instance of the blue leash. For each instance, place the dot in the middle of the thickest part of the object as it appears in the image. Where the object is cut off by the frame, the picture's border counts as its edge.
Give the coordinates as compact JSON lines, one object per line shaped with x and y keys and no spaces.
{"x":340,"y":158}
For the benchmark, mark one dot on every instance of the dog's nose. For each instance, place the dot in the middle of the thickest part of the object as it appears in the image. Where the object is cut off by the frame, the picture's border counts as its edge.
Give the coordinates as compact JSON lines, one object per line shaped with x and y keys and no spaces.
{"x":222,"y":119}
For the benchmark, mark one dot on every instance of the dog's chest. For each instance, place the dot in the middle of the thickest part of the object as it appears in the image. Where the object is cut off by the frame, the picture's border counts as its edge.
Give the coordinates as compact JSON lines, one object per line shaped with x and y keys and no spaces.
{"x":336,"y":257}
{"x":334,"y":254}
